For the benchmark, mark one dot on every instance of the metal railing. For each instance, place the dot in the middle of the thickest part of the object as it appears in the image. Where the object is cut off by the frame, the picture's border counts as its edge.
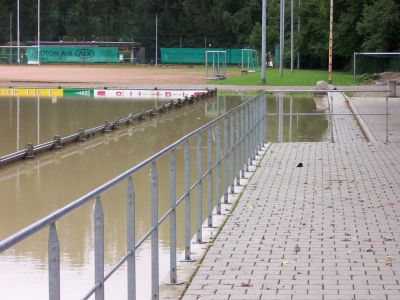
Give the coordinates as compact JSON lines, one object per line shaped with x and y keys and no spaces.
{"x":389,"y":92}
{"x":237,"y":137}
{"x":82,"y":134}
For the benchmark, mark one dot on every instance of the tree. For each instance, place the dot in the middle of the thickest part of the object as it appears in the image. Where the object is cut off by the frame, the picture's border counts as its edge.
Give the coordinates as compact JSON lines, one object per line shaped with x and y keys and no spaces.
{"x":379,"y":26}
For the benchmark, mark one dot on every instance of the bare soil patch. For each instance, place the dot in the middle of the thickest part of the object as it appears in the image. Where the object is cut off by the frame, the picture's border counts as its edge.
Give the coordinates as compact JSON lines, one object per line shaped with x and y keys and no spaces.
{"x":385,"y":77}
{"x":122,"y":74}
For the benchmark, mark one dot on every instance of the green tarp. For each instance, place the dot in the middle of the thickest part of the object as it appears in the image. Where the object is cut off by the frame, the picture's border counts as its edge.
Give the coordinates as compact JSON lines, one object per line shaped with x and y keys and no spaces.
{"x":197,"y":55}
{"x":70,"y":54}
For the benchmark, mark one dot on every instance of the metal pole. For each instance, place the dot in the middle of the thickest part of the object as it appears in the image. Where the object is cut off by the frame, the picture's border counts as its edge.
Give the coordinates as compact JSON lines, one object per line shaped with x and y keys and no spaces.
{"x":331,"y":118}
{"x":130,"y":231}
{"x":54,"y":263}
{"x":232,"y":154}
{"x":226,"y":159}
{"x":237,"y":146}
{"x":18,"y":34}
{"x":156,"y":39}
{"x":99,"y":248}
{"x":246,"y":139}
{"x":172,"y":217}
{"x":290,"y":119}
{"x":387,"y":119}
{"x":242,"y":141}
{"x":265,"y":111}
{"x":282,"y":37}
{"x":263,"y":41}
{"x":218,"y":168}
{"x":209,"y":179}
{"x":199,"y":219}
{"x":354,"y":65}
{"x":38,"y":29}
{"x":10,"y":39}
{"x":298,"y":37}
{"x":38,"y":119}
{"x":330,"y":42}
{"x":291,"y":36}
{"x":186,"y":158}
{"x":154,"y":233}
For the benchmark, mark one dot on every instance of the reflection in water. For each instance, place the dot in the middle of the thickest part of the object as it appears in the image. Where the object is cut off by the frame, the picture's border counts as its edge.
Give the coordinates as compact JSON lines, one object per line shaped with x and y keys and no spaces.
{"x":33,"y":188}
{"x":36,"y":120}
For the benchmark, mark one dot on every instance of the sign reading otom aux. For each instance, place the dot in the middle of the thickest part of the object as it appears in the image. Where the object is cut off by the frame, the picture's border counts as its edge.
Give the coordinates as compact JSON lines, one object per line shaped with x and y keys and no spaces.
{"x":71,"y":54}
{"x":147,"y":94}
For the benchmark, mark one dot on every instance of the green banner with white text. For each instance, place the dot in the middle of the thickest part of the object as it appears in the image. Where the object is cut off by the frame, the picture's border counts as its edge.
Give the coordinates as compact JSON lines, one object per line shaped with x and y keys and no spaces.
{"x":70,"y":54}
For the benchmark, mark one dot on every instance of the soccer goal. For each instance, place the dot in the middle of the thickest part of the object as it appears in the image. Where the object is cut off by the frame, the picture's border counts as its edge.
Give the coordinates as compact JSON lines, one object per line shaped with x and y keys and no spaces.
{"x":215,"y":64}
{"x":250,"y":61}
{"x":375,"y":62}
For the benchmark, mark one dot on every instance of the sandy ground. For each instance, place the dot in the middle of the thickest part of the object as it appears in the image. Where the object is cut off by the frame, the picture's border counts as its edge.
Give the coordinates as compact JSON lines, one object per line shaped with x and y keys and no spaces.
{"x":122,"y":74}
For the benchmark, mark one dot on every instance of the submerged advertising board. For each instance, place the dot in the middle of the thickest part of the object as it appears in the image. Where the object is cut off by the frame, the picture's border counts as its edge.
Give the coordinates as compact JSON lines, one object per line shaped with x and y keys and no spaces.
{"x":71,"y":54}
{"x":147,"y":94}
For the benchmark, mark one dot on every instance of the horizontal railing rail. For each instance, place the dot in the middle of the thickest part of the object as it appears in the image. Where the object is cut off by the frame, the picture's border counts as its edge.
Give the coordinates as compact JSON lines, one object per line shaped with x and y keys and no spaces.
{"x":233,"y":140}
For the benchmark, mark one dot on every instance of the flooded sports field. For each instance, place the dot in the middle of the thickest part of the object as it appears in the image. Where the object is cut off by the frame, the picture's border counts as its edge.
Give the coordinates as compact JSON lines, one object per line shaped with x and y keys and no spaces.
{"x":32,"y":188}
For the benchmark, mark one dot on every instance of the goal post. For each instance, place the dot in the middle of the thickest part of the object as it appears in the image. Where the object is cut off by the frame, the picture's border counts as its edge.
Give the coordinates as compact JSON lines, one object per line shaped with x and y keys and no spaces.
{"x":375,"y":62}
{"x":250,"y":61}
{"x":215,"y":63}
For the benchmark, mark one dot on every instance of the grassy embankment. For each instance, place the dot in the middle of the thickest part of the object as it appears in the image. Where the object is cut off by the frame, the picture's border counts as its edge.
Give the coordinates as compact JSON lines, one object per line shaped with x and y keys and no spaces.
{"x":297,"y":78}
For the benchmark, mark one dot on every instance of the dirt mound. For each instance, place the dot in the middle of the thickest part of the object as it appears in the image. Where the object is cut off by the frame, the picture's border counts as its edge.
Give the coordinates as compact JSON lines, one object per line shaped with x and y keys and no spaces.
{"x":385,"y":77}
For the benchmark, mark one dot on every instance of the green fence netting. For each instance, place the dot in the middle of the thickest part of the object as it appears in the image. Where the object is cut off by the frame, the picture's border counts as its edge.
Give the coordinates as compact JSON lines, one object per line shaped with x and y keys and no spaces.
{"x":197,"y":55}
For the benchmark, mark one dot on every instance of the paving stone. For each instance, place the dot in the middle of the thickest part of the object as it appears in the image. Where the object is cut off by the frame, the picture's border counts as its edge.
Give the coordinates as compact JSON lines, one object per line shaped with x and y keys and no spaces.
{"x":328,"y":230}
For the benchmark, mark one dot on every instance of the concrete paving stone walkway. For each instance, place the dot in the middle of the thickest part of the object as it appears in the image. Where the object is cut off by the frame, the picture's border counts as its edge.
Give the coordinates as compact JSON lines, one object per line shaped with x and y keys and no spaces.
{"x":345,"y":127}
{"x":327,"y":230}
{"x":377,"y":124}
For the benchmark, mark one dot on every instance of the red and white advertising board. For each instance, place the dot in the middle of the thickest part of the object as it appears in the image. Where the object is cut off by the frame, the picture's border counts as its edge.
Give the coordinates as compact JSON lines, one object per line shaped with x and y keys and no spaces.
{"x":147,"y":94}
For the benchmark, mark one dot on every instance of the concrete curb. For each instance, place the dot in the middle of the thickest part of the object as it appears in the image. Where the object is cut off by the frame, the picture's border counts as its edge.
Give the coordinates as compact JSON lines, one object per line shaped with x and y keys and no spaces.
{"x":364,"y":127}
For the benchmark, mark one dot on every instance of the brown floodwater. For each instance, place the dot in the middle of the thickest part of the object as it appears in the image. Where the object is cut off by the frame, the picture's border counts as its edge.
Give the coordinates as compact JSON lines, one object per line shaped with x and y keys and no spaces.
{"x":31,"y":189}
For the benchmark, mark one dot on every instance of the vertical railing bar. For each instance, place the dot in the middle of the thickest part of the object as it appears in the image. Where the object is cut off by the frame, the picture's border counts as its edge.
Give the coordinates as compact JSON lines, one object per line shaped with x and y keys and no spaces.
{"x":265,"y":122}
{"x":387,"y":119}
{"x":54,"y":263}
{"x":172,"y":217}
{"x":280,"y":119}
{"x":130,"y":230}
{"x":154,"y":234}
{"x":256,"y":127}
{"x":257,"y":124}
{"x":99,"y":248}
{"x":186,"y":158}
{"x":249,"y":157}
{"x":242,"y":134}
{"x":209,"y":179}
{"x":247,"y":139}
{"x":232,"y":154}
{"x":277,"y":117}
{"x":237,"y":171}
{"x":331,"y":117}
{"x":226,"y":159}
{"x":218,"y":168}
{"x":199,"y":230}
{"x":253,"y":131}
{"x":290,"y":119}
